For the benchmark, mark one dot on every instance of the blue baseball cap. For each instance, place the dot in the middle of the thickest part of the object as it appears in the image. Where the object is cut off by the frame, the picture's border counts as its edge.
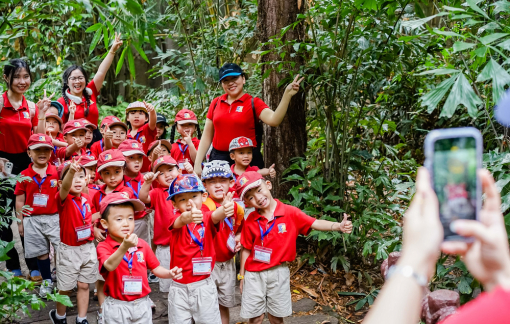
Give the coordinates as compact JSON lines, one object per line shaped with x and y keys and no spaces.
{"x":230,"y":69}
{"x":59,"y":107}
{"x":213,"y":169}
{"x":185,"y":183}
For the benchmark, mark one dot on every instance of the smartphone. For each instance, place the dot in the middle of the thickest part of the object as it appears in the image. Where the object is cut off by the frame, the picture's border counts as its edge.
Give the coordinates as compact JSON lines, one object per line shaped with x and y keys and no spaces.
{"x":8,"y":167}
{"x":453,"y":157}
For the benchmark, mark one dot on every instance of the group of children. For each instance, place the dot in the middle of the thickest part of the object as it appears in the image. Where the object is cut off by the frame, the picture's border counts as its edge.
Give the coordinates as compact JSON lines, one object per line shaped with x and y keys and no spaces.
{"x":98,"y":204}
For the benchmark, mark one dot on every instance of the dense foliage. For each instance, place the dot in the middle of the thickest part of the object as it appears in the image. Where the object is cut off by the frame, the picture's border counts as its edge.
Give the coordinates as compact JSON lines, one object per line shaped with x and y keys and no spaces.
{"x":379,"y":76}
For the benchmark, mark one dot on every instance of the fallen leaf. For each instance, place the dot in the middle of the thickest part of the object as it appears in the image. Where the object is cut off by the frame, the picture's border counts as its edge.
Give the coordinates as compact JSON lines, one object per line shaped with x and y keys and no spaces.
{"x":311,"y":292}
{"x":313,"y":272}
{"x":349,"y":278}
{"x":296,"y":291}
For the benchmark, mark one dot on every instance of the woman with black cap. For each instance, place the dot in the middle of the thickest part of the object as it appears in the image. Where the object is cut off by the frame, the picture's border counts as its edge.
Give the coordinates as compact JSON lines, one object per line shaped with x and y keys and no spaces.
{"x":236,"y":114}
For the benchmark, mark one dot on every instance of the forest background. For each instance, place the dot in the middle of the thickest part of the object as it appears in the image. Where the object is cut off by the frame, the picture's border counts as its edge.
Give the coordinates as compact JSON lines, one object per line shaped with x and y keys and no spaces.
{"x":378,"y":76}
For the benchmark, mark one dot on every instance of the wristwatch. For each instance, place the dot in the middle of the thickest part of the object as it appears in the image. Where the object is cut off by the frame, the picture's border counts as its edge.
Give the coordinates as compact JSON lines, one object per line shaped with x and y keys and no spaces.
{"x":239,"y":277}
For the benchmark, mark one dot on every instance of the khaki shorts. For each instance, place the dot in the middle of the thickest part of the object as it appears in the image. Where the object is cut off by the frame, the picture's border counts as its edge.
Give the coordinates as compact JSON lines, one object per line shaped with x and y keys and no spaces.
{"x":267,"y":291}
{"x":119,"y":312}
{"x":196,"y":302}
{"x":150,"y":220}
{"x":39,"y":232}
{"x":142,"y":229}
{"x":76,"y":263}
{"x":163,"y":256}
{"x":224,"y":276}
{"x":99,"y":276}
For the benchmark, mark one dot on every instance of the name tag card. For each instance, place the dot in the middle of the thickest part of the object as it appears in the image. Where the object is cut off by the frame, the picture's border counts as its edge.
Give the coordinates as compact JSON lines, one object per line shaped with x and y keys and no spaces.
{"x":262,"y":254}
{"x":181,"y":164}
{"x":202,"y":266}
{"x":83,"y":232}
{"x":40,"y":200}
{"x":231,"y":242}
{"x":131,"y":285}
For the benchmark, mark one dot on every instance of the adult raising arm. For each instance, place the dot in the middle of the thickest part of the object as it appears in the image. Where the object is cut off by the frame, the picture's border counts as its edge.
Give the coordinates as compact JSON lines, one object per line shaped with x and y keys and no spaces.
{"x":107,"y":62}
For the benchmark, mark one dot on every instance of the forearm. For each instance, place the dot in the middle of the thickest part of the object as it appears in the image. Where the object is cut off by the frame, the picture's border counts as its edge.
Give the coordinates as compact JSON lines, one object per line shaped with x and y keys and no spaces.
{"x":161,"y":272}
{"x":218,"y":215}
{"x":107,"y":144}
{"x":20,"y":202}
{"x":71,"y":149}
{"x":41,"y":125}
{"x":66,"y":184}
{"x":264,"y":172}
{"x":323,"y":225}
{"x":245,"y":253}
{"x":95,"y":217}
{"x":103,"y":68}
{"x":144,"y":193}
{"x":58,"y":143}
{"x":115,"y":259}
{"x":192,"y":152}
{"x":275,"y":118}
{"x":179,"y":222}
{"x":153,"y":118}
{"x":205,"y":143}
{"x":71,"y":116}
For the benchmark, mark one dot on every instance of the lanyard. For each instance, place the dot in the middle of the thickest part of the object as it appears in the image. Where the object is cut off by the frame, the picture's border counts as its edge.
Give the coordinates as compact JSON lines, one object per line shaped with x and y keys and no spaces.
{"x":101,"y":145}
{"x":39,"y":183}
{"x":264,"y":234}
{"x":230,"y":225}
{"x":129,"y":262}
{"x":183,"y":151}
{"x":82,"y":212}
{"x":100,"y":197}
{"x":137,"y":135}
{"x":194,"y":238}
{"x":55,"y":150}
{"x":135,"y":192}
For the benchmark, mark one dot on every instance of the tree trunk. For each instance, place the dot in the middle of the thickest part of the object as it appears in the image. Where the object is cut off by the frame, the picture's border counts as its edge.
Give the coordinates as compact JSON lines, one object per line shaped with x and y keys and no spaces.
{"x":288,"y":140}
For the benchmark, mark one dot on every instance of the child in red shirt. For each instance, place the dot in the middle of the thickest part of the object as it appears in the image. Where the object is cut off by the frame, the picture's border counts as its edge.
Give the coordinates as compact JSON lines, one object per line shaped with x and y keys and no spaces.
{"x":124,"y":260}
{"x":40,"y":226}
{"x":269,"y":242}
{"x":89,"y":163}
{"x":77,"y":258}
{"x":54,"y":129}
{"x":74,"y":134}
{"x":218,"y":179}
{"x":164,"y":171}
{"x":192,"y":247}
{"x":241,"y":152}
{"x":141,"y":120}
{"x":158,"y":149}
{"x":185,"y":148}
{"x":114,"y":132}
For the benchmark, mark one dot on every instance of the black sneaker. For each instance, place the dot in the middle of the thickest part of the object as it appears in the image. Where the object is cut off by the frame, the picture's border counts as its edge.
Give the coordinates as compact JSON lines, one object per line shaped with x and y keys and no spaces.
{"x":82,"y":322}
{"x":55,"y":320}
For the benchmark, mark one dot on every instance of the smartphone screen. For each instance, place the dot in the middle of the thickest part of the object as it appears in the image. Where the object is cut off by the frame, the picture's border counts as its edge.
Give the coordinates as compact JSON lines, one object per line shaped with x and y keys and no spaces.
{"x":455,"y":180}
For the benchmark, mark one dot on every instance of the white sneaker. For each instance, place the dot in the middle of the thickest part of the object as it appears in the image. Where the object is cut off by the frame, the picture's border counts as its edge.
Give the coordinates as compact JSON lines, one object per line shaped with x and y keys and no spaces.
{"x":100,"y":318}
{"x":153,"y":306}
{"x":45,"y":288}
{"x":152,"y":278}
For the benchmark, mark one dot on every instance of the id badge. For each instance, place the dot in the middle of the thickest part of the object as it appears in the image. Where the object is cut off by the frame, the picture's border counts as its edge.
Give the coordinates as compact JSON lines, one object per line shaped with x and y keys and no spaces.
{"x":202,"y":266}
{"x":231,"y":242}
{"x":181,"y":165}
{"x":131,"y":285}
{"x":262,"y":254}
{"x":83,"y":232}
{"x":40,"y":200}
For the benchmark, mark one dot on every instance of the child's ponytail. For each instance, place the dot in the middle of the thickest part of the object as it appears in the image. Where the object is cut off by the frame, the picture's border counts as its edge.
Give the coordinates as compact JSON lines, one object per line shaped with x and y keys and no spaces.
{"x":172,"y":133}
{"x":199,"y":132}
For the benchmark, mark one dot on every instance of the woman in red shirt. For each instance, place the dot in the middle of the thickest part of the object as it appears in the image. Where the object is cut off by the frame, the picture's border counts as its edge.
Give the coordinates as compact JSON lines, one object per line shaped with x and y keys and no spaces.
{"x":232,"y":114}
{"x":83,"y":93}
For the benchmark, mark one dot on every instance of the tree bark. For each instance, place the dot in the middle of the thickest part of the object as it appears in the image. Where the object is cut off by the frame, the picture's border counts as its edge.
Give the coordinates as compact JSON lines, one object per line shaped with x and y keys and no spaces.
{"x":288,"y":140}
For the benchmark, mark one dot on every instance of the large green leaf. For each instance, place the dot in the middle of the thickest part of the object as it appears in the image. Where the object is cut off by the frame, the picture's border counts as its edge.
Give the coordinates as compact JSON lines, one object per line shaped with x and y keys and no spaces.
{"x":461,"y":93}
{"x":131,"y":62}
{"x":460,"y":46}
{"x":412,"y":24}
{"x":504,"y":45}
{"x":439,"y":72}
{"x":447,"y":33}
{"x":472,"y":5}
{"x":134,"y":7}
{"x":501,"y":6}
{"x":96,"y":38}
{"x":432,"y":98}
{"x":500,"y":78}
{"x":491,"y":38}
{"x":121,"y":61}
{"x":93,"y":28}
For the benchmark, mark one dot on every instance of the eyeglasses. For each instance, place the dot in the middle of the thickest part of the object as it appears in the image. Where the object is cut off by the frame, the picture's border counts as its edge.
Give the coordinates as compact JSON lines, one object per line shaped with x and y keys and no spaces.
{"x":81,"y":78}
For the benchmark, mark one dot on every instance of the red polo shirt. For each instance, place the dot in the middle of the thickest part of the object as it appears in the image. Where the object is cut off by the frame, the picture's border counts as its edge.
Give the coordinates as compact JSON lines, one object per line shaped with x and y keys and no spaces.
{"x":71,"y":217}
{"x":97,"y":148}
{"x":145,"y":136}
{"x":289,"y":223}
{"x":61,"y":153}
{"x":16,"y":126}
{"x":163,"y":214}
{"x":183,"y":249}
{"x":223,"y":253}
{"x":177,"y":154}
{"x":93,"y":189}
{"x":234,"y":120}
{"x":143,"y":259}
{"x":93,"y":116}
{"x":249,"y":168}
{"x":132,"y":183}
{"x":30,"y":188}
{"x":101,"y":194}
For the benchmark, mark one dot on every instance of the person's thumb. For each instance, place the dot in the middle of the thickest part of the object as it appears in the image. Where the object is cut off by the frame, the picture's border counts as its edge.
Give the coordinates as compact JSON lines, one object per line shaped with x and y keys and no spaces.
{"x":192,"y":203}
{"x":127,"y":236}
{"x":345,"y":217}
{"x":272,"y":166}
{"x":159,"y":145}
{"x":470,"y":228}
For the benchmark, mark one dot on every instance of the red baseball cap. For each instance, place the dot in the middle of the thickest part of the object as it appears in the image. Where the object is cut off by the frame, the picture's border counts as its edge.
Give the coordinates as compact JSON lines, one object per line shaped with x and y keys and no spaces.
{"x":56,"y":117}
{"x":247,"y":181}
{"x":39,"y":140}
{"x":111,"y":157}
{"x":137,"y":105}
{"x":62,"y":168}
{"x":164,"y":142}
{"x":131,"y":147}
{"x":112,"y":121}
{"x":73,"y":125}
{"x":87,"y":160}
{"x":164,"y":160}
{"x":240,"y":142}
{"x":116,"y":198}
{"x":185,"y":116}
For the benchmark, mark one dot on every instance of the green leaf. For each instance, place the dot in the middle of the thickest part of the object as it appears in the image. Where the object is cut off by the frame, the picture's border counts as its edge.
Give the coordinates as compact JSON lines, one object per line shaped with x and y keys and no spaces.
{"x":134,"y":7}
{"x":105,"y":37}
{"x":94,"y":28}
{"x":350,"y":293}
{"x":464,"y":285}
{"x":413,"y":24}
{"x":447,"y":33}
{"x":472,"y":5}
{"x":500,"y":78}
{"x":95,"y":40}
{"x":439,"y":71}
{"x":131,"y":62}
{"x":460,"y":46}
{"x":432,"y":98}
{"x":501,"y":6}
{"x":461,"y":93}
{"x":141,"y":52}
{"x":121,"y":61}
{"x":453,"y":8}
{"x":491,"y":38}
{"x":4,"y":250}
{"x":360,"y":304}
{"x":504,"y":45}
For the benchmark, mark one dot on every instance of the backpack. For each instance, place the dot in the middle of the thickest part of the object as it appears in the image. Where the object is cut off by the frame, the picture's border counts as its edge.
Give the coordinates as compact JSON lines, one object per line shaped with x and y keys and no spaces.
{"x":31,"y":106}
